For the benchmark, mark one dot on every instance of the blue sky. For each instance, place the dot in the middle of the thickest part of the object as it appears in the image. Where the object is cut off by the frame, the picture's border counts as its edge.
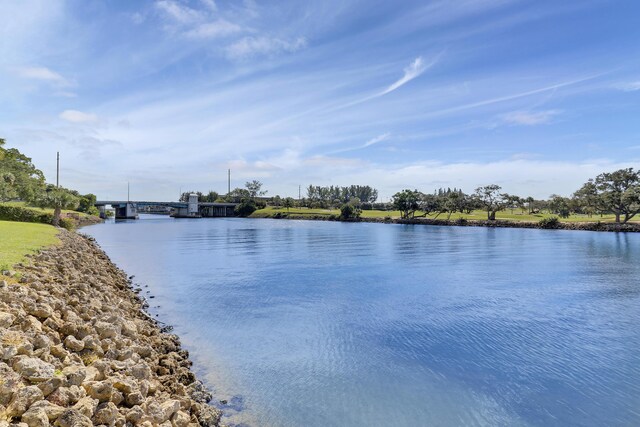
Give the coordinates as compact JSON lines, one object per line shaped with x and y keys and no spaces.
{"x":536,"y":96}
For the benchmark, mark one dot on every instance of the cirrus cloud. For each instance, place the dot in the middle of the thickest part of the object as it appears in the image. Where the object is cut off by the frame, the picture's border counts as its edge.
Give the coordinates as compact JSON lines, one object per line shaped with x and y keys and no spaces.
{"x":529,"y":118}
{"x":75,"y":116}
{"x":255,"y":46}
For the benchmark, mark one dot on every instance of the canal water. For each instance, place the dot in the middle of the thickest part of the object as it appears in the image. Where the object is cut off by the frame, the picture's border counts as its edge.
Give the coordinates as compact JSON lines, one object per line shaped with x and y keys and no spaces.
{"x":304,"y":323}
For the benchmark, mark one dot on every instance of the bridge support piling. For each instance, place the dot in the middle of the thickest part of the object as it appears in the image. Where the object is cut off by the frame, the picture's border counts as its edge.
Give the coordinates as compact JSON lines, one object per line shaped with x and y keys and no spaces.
{"x":127,"y":211}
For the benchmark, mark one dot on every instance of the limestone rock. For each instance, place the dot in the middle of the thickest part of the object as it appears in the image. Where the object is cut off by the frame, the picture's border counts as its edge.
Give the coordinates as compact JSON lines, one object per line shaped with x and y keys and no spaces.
{"x":6,"y":319}
{"x":169,"y":408}
{"x":208,"y":416}
{"x":22,"y":399}
{"x":106,"y":414}
{"x":76,"y":351}
{"x":50,"y":385}
{"x":141,"y":371}
{"x":100,"y":390}
{"x":9,"y":383}
{"x":73,"y":418}
{"x":7,"y":352}
{"x":180,"y":419}
{"x":52,"y":411}
{"x":74,"y":374}
{"x":34,"y":369}
{"x":106,"y":330}
{"x":86,"y":406}
{"x":36,"y":417}
{"x":73,"y":344}
{"x":41,"y":311}
{"x":134,"y":398}
{"x":135,"y":414}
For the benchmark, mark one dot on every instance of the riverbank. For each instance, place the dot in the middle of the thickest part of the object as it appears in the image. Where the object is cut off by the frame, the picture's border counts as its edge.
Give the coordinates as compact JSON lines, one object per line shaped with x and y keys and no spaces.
{"x":77,"y":349}
{"x":632,"y":227}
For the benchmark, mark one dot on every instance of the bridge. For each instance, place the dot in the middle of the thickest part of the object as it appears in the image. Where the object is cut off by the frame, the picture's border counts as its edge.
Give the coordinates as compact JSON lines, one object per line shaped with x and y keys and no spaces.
{"x":125,"y":209}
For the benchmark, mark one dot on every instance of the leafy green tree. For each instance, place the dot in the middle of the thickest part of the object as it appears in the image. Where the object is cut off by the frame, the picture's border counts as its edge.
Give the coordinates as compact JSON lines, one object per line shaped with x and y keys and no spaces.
{"x":86,"y":203}
{"x":452,"y":203}
{"x":491,"y":200}
{"x":587,"y":198}
{"x":512,"y":202}
{"x":619,"y":192}
{"x":430,"y":203}
{"x":288,"y":203}
{"x":560,"y":205}
{"x":210,"y":197}
{"x":237,"y":195}
{"x":7,"y":186}
{"x":19,"y":178}
{"x":57,"y":198}
{"x":530,"y":204}
{"x":407,"y":202}
{"x":255,"y":189}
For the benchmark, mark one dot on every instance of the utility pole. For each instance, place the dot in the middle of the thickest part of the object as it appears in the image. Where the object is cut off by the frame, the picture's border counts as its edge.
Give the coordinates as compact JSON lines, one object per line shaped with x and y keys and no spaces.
{"x":299,"y":198}
{"x":128,"y":198}
{"x":229,"y":182}
{"x":57,"y":169}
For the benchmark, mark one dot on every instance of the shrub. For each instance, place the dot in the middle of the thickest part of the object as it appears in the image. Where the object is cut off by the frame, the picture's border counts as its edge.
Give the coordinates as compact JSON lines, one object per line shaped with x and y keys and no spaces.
{"x":245,"y":208}
{"x":551,"y":222}
{"x":21,"y":214}
{"x":67,"y":223}
{"x":461,"y":221}
{"x":350,"y":211}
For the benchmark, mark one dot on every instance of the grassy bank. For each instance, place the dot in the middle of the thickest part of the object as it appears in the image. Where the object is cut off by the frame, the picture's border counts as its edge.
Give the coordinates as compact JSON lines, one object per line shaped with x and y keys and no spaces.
{"x":45,"y":210}
{"x":21,"y":238}
{"x":477,"y":215}
{"x":21,"y":212}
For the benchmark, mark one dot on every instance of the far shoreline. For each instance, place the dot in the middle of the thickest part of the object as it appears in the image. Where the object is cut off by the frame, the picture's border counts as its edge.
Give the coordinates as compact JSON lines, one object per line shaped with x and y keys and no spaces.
{"x":575,"y":226}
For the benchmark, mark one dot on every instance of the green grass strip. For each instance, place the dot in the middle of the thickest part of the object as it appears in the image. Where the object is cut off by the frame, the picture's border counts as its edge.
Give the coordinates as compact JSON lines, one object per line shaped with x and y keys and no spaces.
{"x":18,"y":239}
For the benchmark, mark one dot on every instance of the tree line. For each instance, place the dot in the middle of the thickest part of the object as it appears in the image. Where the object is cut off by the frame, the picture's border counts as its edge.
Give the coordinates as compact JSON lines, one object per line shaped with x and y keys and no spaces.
{"x":616,"y":193}
{"x":21,"y":180}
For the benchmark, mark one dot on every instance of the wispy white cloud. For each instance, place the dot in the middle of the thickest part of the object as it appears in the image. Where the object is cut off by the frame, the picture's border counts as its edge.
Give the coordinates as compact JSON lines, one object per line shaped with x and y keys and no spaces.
{"x":369,"y":143}
{"x":179,"y":12}
{"x":529,"y":118}
{"x":377,"y":139}
{"x":43,"y":74}
{"x":511,"y":97}
{"x":255,"y":46}
{"x":414,"y":70}
{"x":75,"y":116}
{"x":201,"y":23}
{"x":629,"y":86}
{"x":217,"y":28}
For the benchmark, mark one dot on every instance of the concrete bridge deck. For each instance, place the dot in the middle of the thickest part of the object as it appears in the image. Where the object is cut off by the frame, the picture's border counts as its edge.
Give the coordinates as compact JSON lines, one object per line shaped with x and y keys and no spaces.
{"x":128,"y":209}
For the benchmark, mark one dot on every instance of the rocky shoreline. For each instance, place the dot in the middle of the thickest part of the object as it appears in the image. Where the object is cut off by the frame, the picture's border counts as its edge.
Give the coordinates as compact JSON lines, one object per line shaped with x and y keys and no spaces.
{"x":77,"y":348}
{"x":584,"y":226}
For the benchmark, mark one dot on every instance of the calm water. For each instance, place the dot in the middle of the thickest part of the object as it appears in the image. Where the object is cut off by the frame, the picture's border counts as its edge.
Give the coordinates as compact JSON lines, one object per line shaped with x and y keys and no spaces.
{"x":302,"y":323}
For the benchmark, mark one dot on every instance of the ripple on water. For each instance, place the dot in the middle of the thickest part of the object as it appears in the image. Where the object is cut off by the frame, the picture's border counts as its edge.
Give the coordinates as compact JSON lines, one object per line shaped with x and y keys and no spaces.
{"x":305,"y":323}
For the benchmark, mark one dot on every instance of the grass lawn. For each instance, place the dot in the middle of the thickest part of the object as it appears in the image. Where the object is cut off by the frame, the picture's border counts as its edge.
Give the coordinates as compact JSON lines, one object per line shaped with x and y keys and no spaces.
{"x":18,"y":239}
{"x":517,"y":215}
